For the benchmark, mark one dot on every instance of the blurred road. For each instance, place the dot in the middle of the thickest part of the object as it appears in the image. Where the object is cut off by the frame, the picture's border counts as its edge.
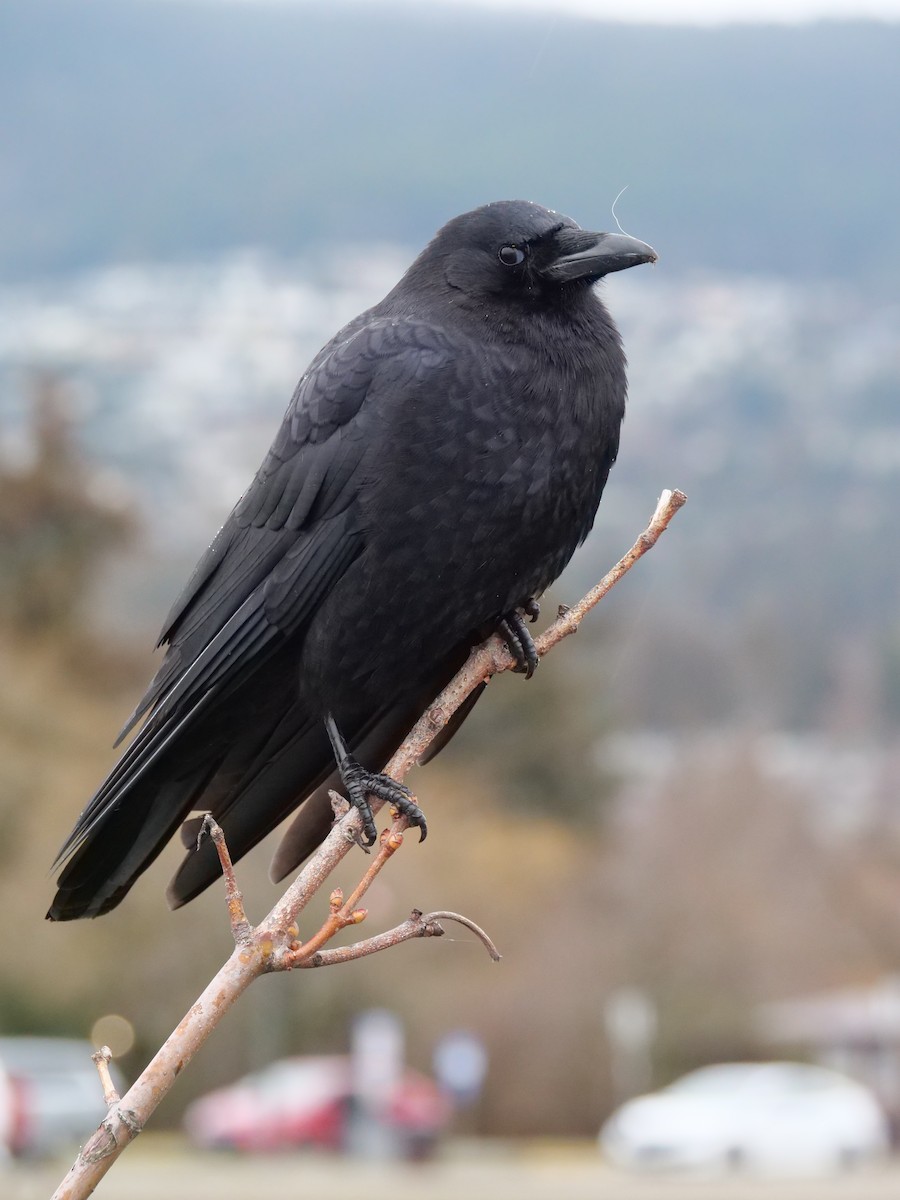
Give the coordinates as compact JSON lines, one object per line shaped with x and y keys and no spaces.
{"x":157,"y":1168}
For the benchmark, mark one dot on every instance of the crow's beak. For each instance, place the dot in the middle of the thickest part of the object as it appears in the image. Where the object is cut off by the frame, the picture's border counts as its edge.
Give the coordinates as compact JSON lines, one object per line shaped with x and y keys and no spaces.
{"x":587,"y":255}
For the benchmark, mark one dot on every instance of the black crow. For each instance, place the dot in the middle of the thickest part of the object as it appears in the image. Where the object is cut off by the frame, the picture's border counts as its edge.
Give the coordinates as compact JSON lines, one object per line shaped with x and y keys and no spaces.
{"x":438,"y":464}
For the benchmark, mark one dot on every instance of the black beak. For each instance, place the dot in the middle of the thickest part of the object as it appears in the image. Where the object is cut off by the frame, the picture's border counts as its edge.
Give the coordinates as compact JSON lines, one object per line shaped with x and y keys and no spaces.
{"x":590,"y":255}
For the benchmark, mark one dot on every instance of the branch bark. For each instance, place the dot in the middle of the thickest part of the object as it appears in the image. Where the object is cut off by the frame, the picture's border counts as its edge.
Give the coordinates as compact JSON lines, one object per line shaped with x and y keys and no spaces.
{"x":273,"y":945}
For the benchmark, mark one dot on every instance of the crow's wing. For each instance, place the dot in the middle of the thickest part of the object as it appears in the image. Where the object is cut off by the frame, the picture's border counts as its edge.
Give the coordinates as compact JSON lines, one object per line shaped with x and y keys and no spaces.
{"x":290,"y":537}
{"x":282,"y":531}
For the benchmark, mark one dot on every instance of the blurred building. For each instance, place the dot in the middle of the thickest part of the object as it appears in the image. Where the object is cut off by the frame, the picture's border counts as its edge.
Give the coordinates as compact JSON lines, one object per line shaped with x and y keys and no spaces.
{"x":854,"y":1030}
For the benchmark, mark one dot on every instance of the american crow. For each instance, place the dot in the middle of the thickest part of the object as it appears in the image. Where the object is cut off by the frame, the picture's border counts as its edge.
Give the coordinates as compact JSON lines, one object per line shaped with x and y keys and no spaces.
{"x":437,"y":466}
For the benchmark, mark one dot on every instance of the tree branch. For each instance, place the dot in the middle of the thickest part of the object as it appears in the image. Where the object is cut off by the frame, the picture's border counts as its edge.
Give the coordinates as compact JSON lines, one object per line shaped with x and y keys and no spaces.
{"x":273,"y":945}
{"x":415,"y":926}
{"x":102,"y":1058}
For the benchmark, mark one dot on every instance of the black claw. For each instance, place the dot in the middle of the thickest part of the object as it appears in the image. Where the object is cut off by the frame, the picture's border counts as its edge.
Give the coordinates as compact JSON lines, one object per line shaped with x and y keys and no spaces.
{"x":414,"y":815}
{"x":531,"y":609}
{"x":521,"y":645}
{"x":354,"y":780}
{"x":360,"y":784}
{"x":398,"y":796}
{"x":513,"y":642}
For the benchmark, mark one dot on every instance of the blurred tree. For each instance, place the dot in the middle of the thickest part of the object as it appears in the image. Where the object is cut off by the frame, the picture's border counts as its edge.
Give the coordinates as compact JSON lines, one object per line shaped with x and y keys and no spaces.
{"x":55,"y":523}
{"x":62,"y":696}
{"x":536,"y":744}
{"x":730,"y":890}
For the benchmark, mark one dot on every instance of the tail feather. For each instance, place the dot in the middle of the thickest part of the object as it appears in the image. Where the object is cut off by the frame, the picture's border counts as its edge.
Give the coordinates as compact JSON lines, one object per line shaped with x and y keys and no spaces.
{"x":249,"y":758}
{"x":166,"y":772}
{"x":264,"y":797}
{"x":127,"y":840}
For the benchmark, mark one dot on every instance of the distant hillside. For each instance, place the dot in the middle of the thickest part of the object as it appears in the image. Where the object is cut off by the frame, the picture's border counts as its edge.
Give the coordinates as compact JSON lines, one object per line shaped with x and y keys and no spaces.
{"x":773,"y":600}
{"x":149,"y":129}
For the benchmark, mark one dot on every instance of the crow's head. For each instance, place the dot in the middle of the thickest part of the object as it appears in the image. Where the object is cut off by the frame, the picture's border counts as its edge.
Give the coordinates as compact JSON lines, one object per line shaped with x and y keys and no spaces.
{"x":514,"y":248}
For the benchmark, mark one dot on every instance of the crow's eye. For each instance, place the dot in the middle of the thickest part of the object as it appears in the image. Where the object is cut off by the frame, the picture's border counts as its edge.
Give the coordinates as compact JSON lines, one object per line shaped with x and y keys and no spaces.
{"x":511,"y":256}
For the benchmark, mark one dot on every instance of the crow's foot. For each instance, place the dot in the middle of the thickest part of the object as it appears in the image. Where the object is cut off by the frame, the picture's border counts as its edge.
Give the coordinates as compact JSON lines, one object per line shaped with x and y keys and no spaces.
{"x":360,"y":784}
{"x":514,"y":631}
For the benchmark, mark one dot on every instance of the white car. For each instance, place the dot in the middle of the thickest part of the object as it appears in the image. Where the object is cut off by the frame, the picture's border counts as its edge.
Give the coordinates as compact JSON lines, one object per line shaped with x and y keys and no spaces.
{"x":776,"y":1117}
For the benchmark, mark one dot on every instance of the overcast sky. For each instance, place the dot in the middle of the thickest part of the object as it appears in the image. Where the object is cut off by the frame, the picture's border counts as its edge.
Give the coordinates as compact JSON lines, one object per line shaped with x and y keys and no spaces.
{"x":668,"y":12}
{"x":697,"y":11}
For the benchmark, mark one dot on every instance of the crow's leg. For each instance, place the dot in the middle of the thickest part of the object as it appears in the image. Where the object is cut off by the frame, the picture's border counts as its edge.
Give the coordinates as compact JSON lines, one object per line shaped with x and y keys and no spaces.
{"x":514,"y":631}
{"x":361,"y":784}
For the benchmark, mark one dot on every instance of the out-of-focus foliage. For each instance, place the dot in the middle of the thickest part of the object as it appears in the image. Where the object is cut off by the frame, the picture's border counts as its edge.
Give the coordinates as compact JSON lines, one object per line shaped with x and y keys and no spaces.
{"x":56,"y":527}
{"x":538,"y":744}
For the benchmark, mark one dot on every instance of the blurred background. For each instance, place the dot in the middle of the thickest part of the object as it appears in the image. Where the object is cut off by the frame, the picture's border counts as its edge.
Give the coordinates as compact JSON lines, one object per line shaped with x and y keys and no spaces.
{"x":685,"y":833}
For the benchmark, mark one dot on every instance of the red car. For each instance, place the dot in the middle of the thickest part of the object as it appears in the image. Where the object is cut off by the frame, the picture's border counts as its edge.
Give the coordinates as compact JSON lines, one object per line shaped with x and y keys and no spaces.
{"x":310,"y":1102}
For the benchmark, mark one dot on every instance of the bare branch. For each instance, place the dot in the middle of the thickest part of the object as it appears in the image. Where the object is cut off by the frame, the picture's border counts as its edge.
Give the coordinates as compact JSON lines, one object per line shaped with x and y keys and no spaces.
{"x":240,"y":927}
{"x":568,"y":621}
{"x":102,"y":1058}
{"x":486,"y":660}
{"x":343,"y":912}
{"x":416,"y":926}
{"x":469,"y":924}
{"x":273,"y":944}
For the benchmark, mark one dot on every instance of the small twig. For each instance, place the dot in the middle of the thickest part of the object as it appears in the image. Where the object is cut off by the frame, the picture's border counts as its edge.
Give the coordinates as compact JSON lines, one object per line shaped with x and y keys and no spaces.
{"x":273,"y":945}
{"x":102,"y":1058}
{"x":416,"y":926}
{"x":568,"y":621}
{"x":343,"y":912}
{"x":241,"y":929}
{"x":469,"y":924}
